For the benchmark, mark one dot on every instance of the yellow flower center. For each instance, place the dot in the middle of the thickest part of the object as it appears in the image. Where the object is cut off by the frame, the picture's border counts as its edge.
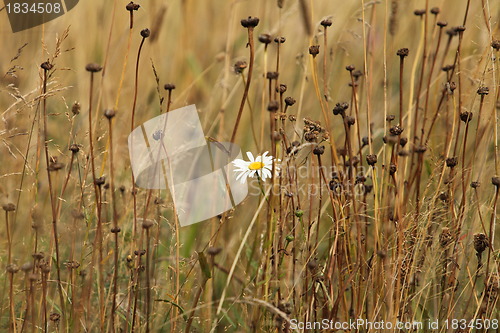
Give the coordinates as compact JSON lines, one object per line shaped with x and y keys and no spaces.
{"x":256,"y":165}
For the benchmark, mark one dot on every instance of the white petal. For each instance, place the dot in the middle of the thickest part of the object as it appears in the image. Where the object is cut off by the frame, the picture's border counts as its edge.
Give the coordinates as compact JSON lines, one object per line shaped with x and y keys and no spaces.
{"x":250,"y":156}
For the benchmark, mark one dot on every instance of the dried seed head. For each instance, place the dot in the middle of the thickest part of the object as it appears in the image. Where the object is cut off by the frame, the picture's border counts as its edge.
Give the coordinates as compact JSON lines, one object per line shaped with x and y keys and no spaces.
{"x":452,"y":86}
{"x":169,"y":86}
{"x":403,"y":52}
{"x":466,"y":116}
{"x":495,"y":181}
{"x":350,"y":68}
{"x":448,"y":68}
{"x":340,"y":108}
{"x":47,"y":66}
{"x":9,"y":207}
{"x":371,"y":159}
{"x":443,"y":196}
{"x":390,"y":117}
{"x":312,"y":264}
{"x":451,"y":162}
{"x":281,"y":89}
{"x":132,"y":6}
{"x":350,"y":120}
{"x":93,"y":68}
{"x":364,"y":141}
{"x":446,"y":237}
{"x":289,"y":101}
{"x":109,"y":113}
{"x":495,"y":44}
{"x":272,"y":75}
{"x":357,"y":74}
{"x":54,"y":164}
{"x":481,"y":242}
{"x":396,"y":130}
{"x":265,"y":39}
{"x":240,"y":66}
{"x":392,"y":169}
{"x":38,"y":256}
{"x":460,"y":28}
{"x":147,"y":223}
{"x":26,"y":267}
{"x":213,"y":251}
{"x":12,"y":268}
{"x":74,"y":148}
{"x":314,"y":50}
{"x":75,"y":109}
{"x":319,"y":150}
{"x":273,"y":106}
{"x":419,"y":12}
{"x":100,"y":181}
{"x":55,"y":317}
{"x":435,"y":10}
{"x":145,"y":33}
{"x":115,"y":230}
{"x":250,"y":22}
{"x":292,"y":118}
{"x":442,"y":24}
{"x":72,"y":264}
{"x":451,"y":32}
{"x":403,"y":142}
{"x":475,"y":184}
{"x":420,"y":149}
{"x":279,"y":40}
{"x":326,"y":23}
{"x":482,"y":91}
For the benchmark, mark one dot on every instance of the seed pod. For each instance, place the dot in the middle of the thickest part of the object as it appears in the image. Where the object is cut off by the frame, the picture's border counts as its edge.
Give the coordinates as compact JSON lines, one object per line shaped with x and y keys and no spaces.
{"x":213,"y":251}
{"x":273,"y":106}
{"x":169,"y":86}
{"x":74,"y":148}
{"x":265,"y":39}
{"x":482,"y":91}
{"x":403,"y":52}
{"x":250,"y":22}
{"x":481,"y":242}
{"x":9,"y":207}
{"x":240,"y":66}
{"x":47,"y":66}
{"x":475,"y":184}
{"x":93,"y":68}
{"x":451,"y":162}
{"x":466,"y":116}
{"x":326,"y":23}
{"x":132,"y":6}
{"x":145,"y":33}
{"x":272,"y":75}
{"x":442,"y":24}
{"x":314,"y":50}
{"x":289,"y":101}
{"x":396,"y":130}
{"x":319,"y":150}
{"x":109,"y":113}
{"x":371,"y":159}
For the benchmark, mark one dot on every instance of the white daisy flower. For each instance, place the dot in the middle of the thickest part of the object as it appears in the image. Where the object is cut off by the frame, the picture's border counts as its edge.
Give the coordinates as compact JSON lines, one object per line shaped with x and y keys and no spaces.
{"x":261,"y":166}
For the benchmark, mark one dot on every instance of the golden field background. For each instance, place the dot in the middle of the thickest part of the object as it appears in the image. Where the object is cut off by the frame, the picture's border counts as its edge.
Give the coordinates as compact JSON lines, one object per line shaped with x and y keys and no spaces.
{"x":377,"y":257}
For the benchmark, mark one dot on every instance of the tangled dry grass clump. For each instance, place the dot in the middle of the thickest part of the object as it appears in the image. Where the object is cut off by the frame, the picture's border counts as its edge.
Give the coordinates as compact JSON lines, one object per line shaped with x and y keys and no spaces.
{"x":384,"y":205}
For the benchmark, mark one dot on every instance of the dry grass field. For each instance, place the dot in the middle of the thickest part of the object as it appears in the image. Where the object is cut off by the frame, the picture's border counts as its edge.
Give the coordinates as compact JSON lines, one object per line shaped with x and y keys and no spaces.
{"x":383,"y":205}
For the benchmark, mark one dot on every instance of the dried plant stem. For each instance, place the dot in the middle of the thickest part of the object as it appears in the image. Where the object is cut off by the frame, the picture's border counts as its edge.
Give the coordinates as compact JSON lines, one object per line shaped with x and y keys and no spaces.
{"x":247,"y":86}
{"x":51,"y":195}
{"x":115,"y":224}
